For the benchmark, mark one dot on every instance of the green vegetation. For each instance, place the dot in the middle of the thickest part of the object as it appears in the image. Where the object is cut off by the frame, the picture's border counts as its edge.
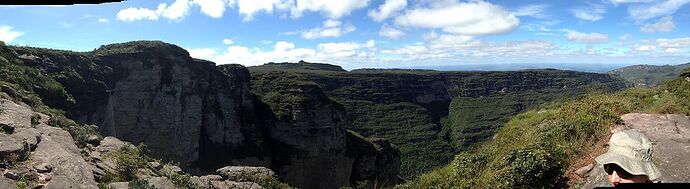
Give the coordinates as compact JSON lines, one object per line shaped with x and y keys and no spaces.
{"x":22,"y":183}
{"x":139,"y":184}
{"x":429,"y":115}
{"x":301,"y":66}
{"x":21,"y":80}
{"x":649,"y":75}
{"x":273,"y":183}
{"x":137,"y":47}
{"x":128,"y":160}
{"x":281,"y":91}
{"x":533,"y":149}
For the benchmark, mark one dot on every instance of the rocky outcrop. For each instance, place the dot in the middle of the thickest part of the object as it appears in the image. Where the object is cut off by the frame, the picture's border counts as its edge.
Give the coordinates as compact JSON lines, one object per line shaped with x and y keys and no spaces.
{"x":196,"y":113}
{"x":376,"y":161}
{"x":314,"y":132}
{"x":670,"y":135}
{"x":184,"y":109}
{"x":55,"y":161}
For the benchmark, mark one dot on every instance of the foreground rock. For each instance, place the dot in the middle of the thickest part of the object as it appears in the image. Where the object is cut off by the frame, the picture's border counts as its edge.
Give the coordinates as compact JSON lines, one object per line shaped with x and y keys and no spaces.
{"x":56,"y":162}
{"x":670,"y":134}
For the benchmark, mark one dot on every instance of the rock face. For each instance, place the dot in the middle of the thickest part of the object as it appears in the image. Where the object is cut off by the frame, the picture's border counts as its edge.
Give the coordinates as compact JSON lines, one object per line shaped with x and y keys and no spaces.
{"x":184,"y":109}
{"x":198,"y":114}
{"x":55,"y":161}
{"x":670,"y":134}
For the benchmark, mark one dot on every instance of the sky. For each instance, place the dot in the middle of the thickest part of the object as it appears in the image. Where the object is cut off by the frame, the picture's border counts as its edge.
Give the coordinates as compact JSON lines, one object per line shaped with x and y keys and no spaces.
{"x":371,"y":33}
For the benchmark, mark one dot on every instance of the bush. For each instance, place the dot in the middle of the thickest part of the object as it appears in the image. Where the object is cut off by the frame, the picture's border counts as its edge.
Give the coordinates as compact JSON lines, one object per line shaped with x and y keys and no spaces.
{"x":127,"y":161}
{"x":273,"y":183}
{"x":139,"y":184}
{"x":533,"y":148}
{"x":531,"y":167}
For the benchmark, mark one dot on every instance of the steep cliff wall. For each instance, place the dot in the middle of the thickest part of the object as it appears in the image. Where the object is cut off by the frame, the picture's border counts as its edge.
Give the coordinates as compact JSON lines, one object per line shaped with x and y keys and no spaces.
{"x":203,"y":116}
{"x":431,"y":115}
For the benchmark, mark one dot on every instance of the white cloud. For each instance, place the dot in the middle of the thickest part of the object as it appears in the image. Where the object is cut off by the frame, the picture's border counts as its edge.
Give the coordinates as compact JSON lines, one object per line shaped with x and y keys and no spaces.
{"x":203,"y":53}
{"x":284,"y":51}
{"x":435,"y":41}
{"x":645,"y":48}
{"x":656,"y":9}
{"x":672,"y":50}
{"x":617,"y":2}
{"x":592,"y":13}
{"x":176,"y":11}
{"x":673,"y":43}
{"x":536,"y":11}
{"x":344,"y":49}
{"x":134,"y":14}
{"x":469,"y":18}
{"x":331,"y":8}
{"x":103,"y":20}
{"x":212,"y":8}
{"x":7,"y":34}
{"x":663,"y":46}
{"x":589,"y":38}
{"x":387,"y":9}
{"x":390,"y":32}
{"x":330,"y":28}
{"x":465,"y":49}
{"x":250,"y":7}
{"x":228,"y":41}
{"x":663,"y":25}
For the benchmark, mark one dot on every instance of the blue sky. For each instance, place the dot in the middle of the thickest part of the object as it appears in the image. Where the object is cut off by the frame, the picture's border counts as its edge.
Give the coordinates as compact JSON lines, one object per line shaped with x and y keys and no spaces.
{"x":372,"y":33}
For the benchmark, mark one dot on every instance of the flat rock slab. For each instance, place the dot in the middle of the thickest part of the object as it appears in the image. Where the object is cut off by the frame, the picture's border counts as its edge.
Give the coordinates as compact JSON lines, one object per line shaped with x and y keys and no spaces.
{"x":15,"y":115}
{"x":670,"y":135}
{"x":244,"y":173}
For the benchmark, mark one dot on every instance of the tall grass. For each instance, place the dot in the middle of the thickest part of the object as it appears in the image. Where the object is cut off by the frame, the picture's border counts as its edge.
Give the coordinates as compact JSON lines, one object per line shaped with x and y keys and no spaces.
{"x":534,"y":148}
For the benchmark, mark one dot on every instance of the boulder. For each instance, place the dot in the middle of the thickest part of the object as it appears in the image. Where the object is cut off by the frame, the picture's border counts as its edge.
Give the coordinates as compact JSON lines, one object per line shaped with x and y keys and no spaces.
{"x":118,"y":185}
{"x":161,"y":182}
{"x":242,"y":173}
{"x":57,"y":149}
{"x":29,"y":135}
{"x":582,"y":171}
{"x":7,"y":183}
{"x":11,"y":149}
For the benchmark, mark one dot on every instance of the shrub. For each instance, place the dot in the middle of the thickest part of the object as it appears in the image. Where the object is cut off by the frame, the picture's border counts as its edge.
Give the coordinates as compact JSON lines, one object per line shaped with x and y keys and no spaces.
{"x":533,"y":148}
{"x":35,"y":120}
{"x":127,"y":161}
{"x":273,"y":183}
{"x":531,"y":167}
{"x":139,"y":184}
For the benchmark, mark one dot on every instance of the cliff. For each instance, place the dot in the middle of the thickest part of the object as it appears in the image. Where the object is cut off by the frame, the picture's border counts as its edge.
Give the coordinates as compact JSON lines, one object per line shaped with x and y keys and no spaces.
{"x":39,"y":152}
{"x":430,"y":115}
{"x":198,"y":114}
{"x":648,"y":75}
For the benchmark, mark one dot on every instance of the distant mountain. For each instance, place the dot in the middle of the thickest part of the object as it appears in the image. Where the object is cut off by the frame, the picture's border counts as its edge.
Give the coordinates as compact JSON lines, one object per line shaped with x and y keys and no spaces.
{"x":584,"y":67}
{"x":649,"y":75}
{"x":301,"y":65}
{"x":430,"y":115}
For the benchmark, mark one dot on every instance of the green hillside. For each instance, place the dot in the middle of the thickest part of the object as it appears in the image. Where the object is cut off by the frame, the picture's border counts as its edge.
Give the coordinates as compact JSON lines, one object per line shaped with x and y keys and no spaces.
{"x":649,"y":75}
{"x":534,"y":148}
{"x":431,"y":115}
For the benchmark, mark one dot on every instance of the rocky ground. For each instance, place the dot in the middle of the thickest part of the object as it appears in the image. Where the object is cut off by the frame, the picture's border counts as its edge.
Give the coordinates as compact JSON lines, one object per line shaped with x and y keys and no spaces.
{"x":670,"y":134}
{"x":34,"y":154}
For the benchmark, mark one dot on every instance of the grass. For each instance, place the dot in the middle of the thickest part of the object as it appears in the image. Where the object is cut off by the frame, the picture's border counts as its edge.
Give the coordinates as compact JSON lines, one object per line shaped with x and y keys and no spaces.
{"x":463,"y":108}
{"x":533,"y":149}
